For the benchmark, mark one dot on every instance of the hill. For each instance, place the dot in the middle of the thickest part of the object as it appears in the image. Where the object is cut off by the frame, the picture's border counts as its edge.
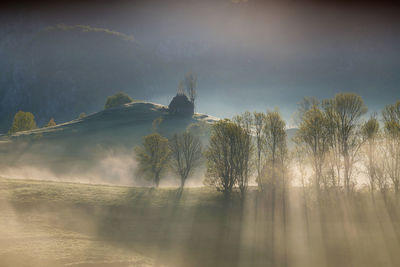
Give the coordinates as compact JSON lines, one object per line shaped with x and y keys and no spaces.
{"x":99,"y":145}
{"x":61,"y":71}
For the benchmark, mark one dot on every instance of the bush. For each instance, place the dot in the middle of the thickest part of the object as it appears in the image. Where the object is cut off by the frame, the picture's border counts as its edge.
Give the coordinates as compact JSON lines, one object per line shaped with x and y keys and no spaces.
{"x":117,"y":100}
{"x":51,"y":123}
{"x":23,"y":121}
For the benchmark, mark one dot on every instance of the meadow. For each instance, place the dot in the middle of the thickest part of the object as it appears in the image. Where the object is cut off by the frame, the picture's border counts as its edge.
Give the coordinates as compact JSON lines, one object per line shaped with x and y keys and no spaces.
{"x":46,"y":223}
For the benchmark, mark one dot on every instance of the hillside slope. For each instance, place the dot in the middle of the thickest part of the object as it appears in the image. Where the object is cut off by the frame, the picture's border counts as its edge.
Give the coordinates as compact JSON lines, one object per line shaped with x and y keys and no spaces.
{"x":76,"y":148}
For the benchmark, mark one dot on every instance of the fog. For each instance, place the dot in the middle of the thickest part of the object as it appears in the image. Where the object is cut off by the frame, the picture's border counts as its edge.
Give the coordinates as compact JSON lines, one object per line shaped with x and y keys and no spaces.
{"x":73,"y":195}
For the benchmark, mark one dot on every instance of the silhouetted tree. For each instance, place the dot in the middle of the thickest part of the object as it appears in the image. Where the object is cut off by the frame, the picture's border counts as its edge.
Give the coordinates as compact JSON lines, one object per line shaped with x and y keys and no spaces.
{"x":191,"y":85}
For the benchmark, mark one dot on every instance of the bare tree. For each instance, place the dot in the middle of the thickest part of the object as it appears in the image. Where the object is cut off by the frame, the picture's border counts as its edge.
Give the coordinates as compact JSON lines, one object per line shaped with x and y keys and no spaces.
{"x":185,"y":154}
{"x":303,"y":106}
{"x":391,"y":120}
{"x":191,"y":85}
{"x":181,"y":88}
{"x":313,"y":132}
{"x":370,"y":133}
{"x":344,"y":112}
{"x":275,"y":148}
{"x":245,"y":150}
{"x":259,"y":124}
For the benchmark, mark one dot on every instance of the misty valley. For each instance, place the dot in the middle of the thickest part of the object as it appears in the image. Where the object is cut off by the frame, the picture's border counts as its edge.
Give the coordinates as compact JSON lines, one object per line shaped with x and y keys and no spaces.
{"x":199,"y":133}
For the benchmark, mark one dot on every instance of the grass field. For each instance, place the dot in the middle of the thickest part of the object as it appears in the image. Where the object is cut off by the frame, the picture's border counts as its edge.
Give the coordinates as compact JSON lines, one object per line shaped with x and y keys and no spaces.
{"x":69,"y":224}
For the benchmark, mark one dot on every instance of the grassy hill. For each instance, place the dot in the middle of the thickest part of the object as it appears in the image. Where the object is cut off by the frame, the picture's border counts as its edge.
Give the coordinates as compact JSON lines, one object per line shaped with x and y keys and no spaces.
{"x":75,"y":148}
{"x":96,"y":148}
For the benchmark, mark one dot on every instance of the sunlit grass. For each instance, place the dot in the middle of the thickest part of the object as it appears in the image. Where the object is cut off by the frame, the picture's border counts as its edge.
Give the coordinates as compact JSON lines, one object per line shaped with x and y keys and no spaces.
{"x":67,"y":224}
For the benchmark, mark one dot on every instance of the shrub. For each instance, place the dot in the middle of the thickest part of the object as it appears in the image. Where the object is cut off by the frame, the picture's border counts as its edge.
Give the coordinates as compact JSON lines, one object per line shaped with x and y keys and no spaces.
{"x":51,"y":123}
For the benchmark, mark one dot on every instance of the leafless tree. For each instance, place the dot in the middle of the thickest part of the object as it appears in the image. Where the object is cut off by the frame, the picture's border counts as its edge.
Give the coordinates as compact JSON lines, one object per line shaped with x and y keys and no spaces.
{"x":391,"y":120}
{"x":191,"y":85}
{"x":370,"y":133}
{"x":259,"y":124}
{"x":344,"y":112}
{"x":313,"y":132}
{"x":185,"y":154}
{"x":245,"y":151}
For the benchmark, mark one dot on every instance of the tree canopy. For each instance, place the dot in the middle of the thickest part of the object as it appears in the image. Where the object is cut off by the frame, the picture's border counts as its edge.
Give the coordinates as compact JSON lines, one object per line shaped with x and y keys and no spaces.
{"x":153,"y":156}
{"x":23,"y":121}
{"x":117,"y":100}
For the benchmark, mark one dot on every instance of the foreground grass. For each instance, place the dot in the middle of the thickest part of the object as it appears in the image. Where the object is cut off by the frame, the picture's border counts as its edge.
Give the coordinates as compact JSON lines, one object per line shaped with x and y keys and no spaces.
{"x":66,"y":224}
{"x":71,"y":224}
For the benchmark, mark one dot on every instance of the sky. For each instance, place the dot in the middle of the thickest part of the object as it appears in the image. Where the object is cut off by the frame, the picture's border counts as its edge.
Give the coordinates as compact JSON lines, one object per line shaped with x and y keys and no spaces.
{"x":258,"y":54}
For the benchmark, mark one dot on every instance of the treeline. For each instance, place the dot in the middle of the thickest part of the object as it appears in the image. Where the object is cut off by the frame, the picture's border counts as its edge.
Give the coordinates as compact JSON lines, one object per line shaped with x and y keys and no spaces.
{"x":336,"y":149}
{"x":341,"y":148}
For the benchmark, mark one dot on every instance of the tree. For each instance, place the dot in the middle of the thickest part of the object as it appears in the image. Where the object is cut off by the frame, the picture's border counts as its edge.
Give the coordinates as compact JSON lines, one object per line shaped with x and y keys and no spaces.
{"x":245,"y":150}
{"x":191,"y":84}
{"x":303,"y":106}
{"x":275,"y":169}
{"x":185,"y":154}
{"x":259,"y":124}
{"x":275,"y":148}
{"x":223,"y":156}
{"x":391,"y":120}
{"x":51,"y":123}
{"x":344,"y":113}
{"x":153,"y":156}
{"x":181,"y":88}
{"x":117,"y":100}
{"x":370,"y":133}
{"x":314,"y":134}
{"x":23,"y":121}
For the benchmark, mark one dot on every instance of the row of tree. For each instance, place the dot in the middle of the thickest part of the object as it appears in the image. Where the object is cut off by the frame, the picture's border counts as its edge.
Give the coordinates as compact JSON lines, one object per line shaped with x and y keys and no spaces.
{"x":335,"y":147}
{"x":25,"y":121}
{"x":341,"y":147}
{"x":182,"y":154}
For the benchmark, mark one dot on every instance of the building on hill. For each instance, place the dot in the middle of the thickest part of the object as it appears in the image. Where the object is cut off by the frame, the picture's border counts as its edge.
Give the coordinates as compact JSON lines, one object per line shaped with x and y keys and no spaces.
{"x":181,"y":105}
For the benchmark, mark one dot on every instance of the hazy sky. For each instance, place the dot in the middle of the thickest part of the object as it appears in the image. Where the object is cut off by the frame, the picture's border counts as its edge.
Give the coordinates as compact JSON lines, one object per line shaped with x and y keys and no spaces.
{"x":262,"y":54}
